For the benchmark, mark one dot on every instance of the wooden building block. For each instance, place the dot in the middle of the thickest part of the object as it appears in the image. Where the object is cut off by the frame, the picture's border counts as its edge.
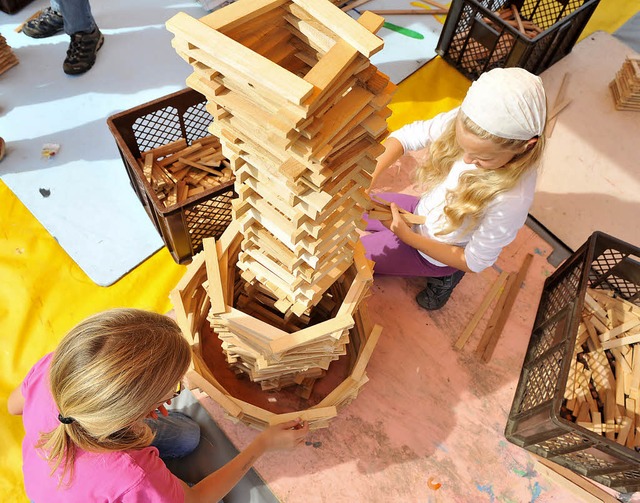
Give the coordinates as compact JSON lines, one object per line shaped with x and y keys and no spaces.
{"x":245,"y":62}
{"x":345,"y":27}
{"x":215,"y":288}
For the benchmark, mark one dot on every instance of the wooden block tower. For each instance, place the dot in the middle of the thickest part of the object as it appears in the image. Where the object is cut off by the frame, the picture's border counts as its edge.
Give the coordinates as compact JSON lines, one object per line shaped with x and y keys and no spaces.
{"x":300,"y":112}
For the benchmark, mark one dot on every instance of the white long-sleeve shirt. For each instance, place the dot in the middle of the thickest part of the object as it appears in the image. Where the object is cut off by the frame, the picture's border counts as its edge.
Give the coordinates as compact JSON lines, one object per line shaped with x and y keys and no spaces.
{"x":503,"y":217}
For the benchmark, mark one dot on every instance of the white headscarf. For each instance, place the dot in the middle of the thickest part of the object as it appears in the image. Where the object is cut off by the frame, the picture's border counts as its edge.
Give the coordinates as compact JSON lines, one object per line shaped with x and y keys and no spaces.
{"x":507,"y":102}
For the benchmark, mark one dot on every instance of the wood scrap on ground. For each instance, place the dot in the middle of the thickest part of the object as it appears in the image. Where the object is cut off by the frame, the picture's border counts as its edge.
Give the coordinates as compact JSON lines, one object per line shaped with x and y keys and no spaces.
{"x":504,"y":291}
{"x":603,"y":386}
{"x":177,"y":172}
{"x":625,"y":87}
{"x":33,"y":16}
{"x":559,"y":104}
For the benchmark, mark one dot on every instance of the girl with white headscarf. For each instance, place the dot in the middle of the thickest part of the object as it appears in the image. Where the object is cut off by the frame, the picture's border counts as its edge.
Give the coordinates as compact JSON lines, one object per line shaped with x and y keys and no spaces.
{"x":479,"y":181}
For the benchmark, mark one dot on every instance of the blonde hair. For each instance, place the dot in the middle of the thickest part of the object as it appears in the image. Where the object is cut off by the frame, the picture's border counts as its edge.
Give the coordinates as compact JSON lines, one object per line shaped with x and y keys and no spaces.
{"x":476,"y":188}
{"x":108,"y":373}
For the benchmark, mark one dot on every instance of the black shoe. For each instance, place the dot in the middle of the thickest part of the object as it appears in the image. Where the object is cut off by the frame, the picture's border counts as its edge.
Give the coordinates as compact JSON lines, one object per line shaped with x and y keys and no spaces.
{"x":47,"y":24}
{"x":81,"y":54}
{"x":438,"y":291}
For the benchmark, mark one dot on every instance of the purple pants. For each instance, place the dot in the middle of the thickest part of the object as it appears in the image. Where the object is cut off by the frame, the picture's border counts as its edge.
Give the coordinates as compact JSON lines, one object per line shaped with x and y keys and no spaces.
{"x":392,"y":256}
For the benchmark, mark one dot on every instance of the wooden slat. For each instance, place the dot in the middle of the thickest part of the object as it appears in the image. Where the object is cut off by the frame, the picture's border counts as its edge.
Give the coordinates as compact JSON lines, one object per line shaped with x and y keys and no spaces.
{"x":239,"y":12}
{"x":246,"y":62}
{"x":496,"y":289}
{"x":506,"y":309}
{"x":344,"y":26}
{"x":215,"y":287}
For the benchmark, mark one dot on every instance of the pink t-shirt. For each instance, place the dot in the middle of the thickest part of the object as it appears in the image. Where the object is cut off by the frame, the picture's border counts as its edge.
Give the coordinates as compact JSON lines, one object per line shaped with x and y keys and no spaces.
{"x":128,"y":476}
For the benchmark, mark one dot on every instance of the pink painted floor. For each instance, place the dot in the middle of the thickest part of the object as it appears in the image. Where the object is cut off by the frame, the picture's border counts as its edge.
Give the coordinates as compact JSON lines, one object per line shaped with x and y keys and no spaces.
{"x":428,"y":410}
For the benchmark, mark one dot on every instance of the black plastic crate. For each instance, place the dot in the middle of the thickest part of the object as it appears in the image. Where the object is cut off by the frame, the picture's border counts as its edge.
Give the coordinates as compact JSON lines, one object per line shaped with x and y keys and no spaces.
{"x":536,"y":421}
{"x":475,"y":39}
{"x":179,"y":115}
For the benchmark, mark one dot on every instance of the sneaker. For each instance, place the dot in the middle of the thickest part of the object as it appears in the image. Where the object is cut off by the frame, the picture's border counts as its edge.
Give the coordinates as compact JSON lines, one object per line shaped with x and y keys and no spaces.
{"x":438,"y":291}
{"x":81,"y":54}
{"x":47,"y":24}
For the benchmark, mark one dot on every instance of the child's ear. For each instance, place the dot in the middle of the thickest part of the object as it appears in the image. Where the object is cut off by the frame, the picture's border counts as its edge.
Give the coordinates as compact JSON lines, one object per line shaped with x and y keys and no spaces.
{"x":530,"y":143}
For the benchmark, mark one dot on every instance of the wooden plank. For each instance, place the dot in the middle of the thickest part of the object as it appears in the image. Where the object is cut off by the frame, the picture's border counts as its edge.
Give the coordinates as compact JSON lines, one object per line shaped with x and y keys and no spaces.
{"x":506,"y":309}
{"x":622,"y":341}
{"x":260,"y":330}
{"x":331,"y":66}
{"x":609,"y":337}
{"x":495,"y":314}
{"x":250,"y":65}
{"x":206,"y":387}
{"x":310,"y":415}
{"x":215,"y":287}
{"x":240,"y":12}
{"x":181,"y":315}
{"x":344,"y":26}
{"x":365,"y":353}
{"x":307,"y":335}
{"x":495,"y":290}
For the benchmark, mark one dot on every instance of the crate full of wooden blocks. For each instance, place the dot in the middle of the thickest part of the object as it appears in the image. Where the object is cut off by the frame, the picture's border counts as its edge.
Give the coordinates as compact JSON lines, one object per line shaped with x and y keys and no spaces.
{"x":176,"y":169}
{"x":479,"y":35}
{"x":578,"y":397}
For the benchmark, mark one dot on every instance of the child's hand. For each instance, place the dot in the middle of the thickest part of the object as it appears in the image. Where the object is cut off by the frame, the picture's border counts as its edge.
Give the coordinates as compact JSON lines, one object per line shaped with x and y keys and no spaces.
{"x":161,"y":409}
{"x":286,"y":435}
{"x":397,"y":225}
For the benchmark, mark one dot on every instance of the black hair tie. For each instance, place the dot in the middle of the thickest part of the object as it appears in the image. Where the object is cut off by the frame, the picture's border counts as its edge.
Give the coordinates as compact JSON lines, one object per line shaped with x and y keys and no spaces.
{"x":65,"y":420}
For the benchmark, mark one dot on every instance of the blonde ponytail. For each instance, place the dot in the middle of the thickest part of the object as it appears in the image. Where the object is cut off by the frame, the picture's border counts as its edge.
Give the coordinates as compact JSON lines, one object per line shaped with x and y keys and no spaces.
{"x":108,"y":373}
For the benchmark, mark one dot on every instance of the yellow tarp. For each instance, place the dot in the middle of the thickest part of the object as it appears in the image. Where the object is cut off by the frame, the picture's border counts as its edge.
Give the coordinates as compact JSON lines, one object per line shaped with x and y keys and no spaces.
{"x":43,"y":292}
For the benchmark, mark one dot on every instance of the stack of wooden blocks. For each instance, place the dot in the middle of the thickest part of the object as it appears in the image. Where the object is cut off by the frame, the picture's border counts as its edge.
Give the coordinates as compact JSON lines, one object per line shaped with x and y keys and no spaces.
{"x":272,"y":354}
{"x":603,"y":394}
{"x":271,"y":351}
{"x":626,"y":86}
{"x":300,"y":112}
{"x":7,"y":58}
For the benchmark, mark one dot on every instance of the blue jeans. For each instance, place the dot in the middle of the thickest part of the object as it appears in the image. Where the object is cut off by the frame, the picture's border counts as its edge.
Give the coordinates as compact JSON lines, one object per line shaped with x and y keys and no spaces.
{"x":76,"y":15}
{"x":176,"y":435}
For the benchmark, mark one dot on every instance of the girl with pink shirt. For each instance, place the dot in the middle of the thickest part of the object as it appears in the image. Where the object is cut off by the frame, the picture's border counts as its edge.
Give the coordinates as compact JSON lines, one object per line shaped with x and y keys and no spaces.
{"x":95,"y":421}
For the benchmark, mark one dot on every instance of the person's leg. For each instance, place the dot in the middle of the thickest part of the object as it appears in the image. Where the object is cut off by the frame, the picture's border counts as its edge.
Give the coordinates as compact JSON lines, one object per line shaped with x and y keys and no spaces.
{"x":47,"y":24}
{"x":438,"y":290}
{"x":86,"y":38}
{"x":176,"y":434}
{"x":76,"y":14}
{"x":392,"y":257}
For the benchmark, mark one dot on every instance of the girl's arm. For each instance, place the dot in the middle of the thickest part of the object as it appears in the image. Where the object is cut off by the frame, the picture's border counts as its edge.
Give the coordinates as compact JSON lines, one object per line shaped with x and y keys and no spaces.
{"x":442,"y":252}
{"x":393,"y":150}
{"x":216,"y":485}
{"x":15,"y":403}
